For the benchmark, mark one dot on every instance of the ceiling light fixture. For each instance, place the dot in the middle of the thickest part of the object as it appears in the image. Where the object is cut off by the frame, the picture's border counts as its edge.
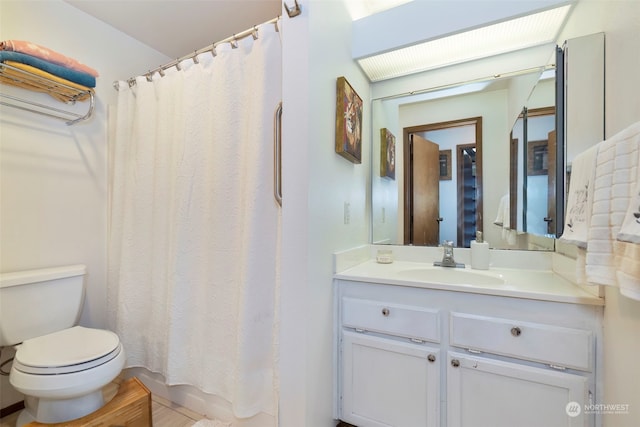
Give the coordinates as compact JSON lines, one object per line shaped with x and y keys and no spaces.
{"x":507,"y":36}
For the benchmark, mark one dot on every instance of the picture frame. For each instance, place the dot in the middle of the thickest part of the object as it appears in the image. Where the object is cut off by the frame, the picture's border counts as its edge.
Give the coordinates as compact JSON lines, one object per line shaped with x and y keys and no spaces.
{"x":348,"y":122}
{"x":538,"y":157}
{"x":387,"y":154}
{"x":445,"y":165}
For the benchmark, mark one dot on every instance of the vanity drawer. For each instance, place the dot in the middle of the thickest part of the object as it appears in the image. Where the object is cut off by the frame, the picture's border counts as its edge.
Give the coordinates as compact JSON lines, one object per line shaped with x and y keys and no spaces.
{"x":394,"y":319}
{"x":553,"y":345}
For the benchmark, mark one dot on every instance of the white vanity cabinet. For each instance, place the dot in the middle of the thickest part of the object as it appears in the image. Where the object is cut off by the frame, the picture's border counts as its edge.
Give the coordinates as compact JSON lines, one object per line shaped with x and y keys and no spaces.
{"x":390,"y":372}
{"x":487,"y":392}
{"x":412,"y":357}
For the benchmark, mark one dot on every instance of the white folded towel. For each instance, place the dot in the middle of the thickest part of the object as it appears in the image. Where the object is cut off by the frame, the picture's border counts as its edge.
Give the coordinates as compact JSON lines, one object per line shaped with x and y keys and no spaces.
{"x":580,"y":198}
{"x":616,"y":180}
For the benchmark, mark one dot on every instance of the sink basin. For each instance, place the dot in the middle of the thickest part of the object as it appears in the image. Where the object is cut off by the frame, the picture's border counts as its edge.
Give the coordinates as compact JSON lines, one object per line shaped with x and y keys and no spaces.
{"x":451,"y":276}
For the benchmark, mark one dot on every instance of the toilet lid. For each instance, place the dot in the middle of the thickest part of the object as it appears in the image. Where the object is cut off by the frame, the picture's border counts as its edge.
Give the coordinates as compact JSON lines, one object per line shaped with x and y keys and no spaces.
{"x":73,"y":346}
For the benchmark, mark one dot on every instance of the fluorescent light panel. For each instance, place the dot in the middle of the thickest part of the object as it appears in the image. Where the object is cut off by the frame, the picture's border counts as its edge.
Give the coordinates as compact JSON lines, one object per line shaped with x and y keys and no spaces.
{"x":520,"y":33}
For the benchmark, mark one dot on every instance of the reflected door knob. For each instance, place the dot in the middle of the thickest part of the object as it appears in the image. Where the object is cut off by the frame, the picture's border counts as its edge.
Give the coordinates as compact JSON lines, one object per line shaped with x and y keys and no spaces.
{"x":516,"y":331}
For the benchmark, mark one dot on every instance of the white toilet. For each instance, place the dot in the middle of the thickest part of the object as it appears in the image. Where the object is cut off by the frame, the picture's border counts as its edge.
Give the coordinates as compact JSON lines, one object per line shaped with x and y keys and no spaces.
{"x":60,"y":368}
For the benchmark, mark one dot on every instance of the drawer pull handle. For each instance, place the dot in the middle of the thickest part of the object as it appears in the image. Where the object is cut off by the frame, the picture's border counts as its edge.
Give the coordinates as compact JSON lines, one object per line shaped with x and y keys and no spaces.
{"x":455,"y":363}
{"x":516,"y":331}
{"x":431,"y":358}
{"x":385,"y":311}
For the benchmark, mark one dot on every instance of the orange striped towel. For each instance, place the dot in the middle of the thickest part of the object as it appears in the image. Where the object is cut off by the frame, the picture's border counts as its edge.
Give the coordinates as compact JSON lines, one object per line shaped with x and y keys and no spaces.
{"x":47,"y":54}
{"x":59,"y":88}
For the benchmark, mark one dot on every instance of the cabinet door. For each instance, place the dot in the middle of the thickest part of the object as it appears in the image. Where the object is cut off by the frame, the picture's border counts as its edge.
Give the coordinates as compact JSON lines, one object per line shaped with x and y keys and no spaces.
{"x":484,"y":392}
{"x":389,"y":383}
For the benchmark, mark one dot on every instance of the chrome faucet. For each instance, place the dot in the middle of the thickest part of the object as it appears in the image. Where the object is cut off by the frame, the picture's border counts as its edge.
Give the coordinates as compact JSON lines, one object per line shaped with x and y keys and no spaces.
{"x":447,"y":256}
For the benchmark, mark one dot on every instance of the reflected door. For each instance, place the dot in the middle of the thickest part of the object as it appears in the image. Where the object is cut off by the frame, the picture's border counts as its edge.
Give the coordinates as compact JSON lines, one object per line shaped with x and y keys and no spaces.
{"x":424,"y":192}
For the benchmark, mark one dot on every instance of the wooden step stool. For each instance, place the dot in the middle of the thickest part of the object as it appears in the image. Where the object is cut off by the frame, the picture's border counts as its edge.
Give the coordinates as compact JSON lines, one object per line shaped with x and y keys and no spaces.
{"x":131,"y":407}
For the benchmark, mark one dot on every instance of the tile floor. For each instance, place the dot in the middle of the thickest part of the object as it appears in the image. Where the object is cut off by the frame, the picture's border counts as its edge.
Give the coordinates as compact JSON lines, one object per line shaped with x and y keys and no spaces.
{"x":164,"y":412}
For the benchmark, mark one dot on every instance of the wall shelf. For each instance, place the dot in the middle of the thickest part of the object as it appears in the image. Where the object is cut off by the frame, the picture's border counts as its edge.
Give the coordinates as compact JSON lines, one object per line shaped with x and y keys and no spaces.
{"x":60,"y":91}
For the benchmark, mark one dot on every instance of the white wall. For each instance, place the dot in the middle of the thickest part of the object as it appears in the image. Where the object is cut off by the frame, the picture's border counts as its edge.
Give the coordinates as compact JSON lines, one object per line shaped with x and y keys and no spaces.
{"x":622,"y":108}
{"x":53,"y":199}
{"x":620,"y":20}
{"x":316,"y":184}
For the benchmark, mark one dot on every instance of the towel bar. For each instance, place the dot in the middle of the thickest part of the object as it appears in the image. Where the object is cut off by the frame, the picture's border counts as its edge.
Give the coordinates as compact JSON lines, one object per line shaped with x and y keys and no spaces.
{"x":61,"y":92}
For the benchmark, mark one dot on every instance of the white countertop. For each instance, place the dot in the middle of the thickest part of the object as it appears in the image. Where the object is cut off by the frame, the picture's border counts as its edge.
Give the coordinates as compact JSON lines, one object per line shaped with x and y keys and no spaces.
{"x":518,"y":283}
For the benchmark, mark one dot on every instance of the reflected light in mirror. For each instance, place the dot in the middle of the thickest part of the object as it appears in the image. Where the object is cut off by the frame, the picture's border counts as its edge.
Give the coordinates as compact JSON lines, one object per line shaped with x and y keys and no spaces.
{"x":520,"y":33}
{"x":451,"y":91}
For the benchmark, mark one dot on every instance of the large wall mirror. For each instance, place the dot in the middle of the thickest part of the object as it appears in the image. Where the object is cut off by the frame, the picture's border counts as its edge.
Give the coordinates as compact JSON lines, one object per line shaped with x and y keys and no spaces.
{"x":470,"y":125}
{"x":501,"y":147}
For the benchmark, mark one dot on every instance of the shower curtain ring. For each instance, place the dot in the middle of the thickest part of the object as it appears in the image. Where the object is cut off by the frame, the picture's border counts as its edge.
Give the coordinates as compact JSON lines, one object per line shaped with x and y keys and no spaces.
{"x":195,"y":57}
{"x":254,"y":33}
{"x":234,"y":42}
{"x":178,"y":67}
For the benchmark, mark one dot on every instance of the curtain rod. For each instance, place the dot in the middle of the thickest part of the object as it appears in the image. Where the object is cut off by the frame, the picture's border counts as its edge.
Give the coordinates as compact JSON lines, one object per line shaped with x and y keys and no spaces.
{"x":233,"y":40}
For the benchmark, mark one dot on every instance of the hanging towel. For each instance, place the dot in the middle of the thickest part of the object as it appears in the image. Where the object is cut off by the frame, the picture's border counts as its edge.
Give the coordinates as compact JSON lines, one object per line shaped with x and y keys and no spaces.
{"x":627,"y":246}
{"x":580,"y":198}
{"x":16,"y":78}
{"x":83,"y":79}
{"x":630,"y":230}
{"x":503,"y":220}
{"x":628,"y":269}
{"x":47,"y":54}
{"x":616,"y":179}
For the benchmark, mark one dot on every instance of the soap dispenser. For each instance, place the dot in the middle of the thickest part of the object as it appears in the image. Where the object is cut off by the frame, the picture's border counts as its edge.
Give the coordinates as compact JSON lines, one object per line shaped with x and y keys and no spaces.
{"x":479,"y":253}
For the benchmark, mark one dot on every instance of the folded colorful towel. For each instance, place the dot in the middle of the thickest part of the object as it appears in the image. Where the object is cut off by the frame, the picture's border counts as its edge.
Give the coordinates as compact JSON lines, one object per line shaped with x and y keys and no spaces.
{"x":47,"y":54}
{"x":83,"y":79}
{"x":64,"y":89}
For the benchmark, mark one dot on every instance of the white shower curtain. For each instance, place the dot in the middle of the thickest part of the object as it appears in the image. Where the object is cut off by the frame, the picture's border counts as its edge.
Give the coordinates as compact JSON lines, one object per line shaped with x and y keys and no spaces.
{"x":194,"y":228}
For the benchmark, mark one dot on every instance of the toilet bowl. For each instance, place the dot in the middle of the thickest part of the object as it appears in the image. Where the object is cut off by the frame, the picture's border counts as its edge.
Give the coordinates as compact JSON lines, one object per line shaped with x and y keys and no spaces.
{"x":60,"y":367}
{"x":62,"y":374}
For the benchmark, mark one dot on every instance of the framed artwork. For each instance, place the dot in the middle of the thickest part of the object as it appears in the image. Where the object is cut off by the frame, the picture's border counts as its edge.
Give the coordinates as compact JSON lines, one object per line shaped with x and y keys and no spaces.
{"x":538,"y":157}
{"x":348,"y":122}
{"x":445,"y":165}
{"x":387,"y":154}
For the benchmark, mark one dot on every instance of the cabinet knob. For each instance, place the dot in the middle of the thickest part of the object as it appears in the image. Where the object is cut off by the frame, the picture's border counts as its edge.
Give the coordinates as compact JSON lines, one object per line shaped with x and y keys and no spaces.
{"x":455,"y":363}
{"x":431,"y":358}
{"x":385,"y":311}
{"x":516,"y":331}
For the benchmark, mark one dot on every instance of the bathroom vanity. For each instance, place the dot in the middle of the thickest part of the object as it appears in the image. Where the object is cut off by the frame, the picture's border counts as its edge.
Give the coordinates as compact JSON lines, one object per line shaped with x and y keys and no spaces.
{"x":418,"y":345}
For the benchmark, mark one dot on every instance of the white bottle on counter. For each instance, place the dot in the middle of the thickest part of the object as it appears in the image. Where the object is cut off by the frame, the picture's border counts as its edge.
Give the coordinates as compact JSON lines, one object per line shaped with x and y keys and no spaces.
{"x":479,"y":253}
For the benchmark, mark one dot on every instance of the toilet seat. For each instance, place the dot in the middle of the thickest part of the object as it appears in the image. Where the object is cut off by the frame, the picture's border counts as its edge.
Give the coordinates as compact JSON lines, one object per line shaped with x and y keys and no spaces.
{"x":71,"y":350}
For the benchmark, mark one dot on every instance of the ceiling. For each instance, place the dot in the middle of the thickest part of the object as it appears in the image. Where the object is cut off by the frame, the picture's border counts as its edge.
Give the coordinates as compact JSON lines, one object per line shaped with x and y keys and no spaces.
{"x":177,"y":28}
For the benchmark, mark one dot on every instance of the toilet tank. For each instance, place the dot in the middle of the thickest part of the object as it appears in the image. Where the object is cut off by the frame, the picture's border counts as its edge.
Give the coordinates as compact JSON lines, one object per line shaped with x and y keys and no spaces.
{"x":38,"y":302}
